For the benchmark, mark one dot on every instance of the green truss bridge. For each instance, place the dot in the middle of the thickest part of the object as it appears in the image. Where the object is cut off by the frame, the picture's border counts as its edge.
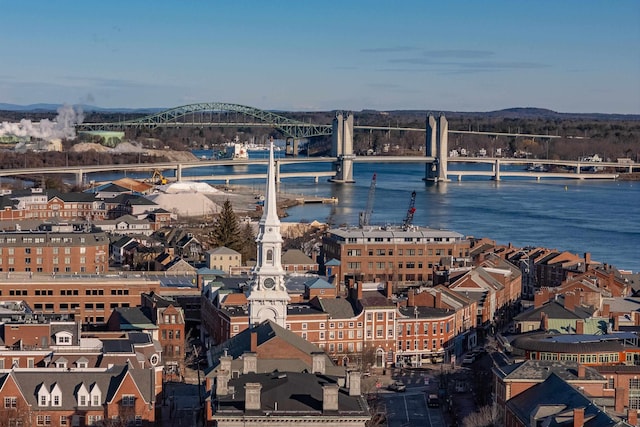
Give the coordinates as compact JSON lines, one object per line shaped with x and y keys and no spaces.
{"x":215,"y":114}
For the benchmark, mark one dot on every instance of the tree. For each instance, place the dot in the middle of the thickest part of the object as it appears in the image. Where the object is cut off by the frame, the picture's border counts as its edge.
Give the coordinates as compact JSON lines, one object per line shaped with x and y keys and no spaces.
{"x":486,"y":416}
{"x":248,"y":243}
{"x":226,"y":230}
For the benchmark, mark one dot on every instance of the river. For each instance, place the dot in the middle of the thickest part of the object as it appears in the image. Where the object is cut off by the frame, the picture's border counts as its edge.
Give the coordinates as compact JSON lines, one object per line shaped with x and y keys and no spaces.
{"x":600,"y":217}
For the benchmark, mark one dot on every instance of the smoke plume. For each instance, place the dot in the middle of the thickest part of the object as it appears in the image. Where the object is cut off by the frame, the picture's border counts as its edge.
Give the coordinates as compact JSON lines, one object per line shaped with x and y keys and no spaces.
{"x":62,"y":127}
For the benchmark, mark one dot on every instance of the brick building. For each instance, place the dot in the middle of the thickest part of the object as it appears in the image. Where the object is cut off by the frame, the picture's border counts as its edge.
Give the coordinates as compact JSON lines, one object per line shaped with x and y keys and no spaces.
{"x":87,"y":299}
{"x":59,"y":249}
{"x":393,"y":254}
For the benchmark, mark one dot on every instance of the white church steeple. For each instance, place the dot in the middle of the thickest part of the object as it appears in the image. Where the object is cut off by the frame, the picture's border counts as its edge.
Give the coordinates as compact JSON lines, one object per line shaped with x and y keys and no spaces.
{"x":268,"y":296}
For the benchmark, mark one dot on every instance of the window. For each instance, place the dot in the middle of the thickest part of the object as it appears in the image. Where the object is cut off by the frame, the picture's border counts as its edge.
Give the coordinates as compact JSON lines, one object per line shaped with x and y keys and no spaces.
{"x":10,"y":402}
{"x":64,"y":420}
{"x":56,"y":400}
{"x":43,"y":400}
{"x":128,"y":400}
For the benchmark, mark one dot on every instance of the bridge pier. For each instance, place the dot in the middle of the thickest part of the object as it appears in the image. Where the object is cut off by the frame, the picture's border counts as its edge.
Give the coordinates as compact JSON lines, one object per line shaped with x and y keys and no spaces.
{"x":179,"y":172}
{"x":277,"y":174}
{"x":79,"y":178}
{"x":342,"y":148}
{"x":496,"y":170}
{"x":437,"y":146}
{"x":291,"y":147}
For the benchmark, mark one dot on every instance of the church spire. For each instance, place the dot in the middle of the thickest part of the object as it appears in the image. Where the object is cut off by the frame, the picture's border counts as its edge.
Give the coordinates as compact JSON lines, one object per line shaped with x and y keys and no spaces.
{"x":268,"y":296}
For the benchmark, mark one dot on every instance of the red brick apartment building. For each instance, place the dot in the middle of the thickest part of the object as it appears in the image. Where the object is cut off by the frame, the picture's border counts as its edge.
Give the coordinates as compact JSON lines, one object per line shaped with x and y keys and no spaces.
{"x":368,"y":327}
{"x":87,"y":299}
{"x":45,"y":397}
{"x":58,"y":250}
{"x":392,"y":254}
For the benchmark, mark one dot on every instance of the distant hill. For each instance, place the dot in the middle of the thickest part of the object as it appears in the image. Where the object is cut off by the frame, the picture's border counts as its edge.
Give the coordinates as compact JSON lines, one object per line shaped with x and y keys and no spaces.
{"x":524,"y":113}
{"x":508,"y":113}
{"x":83,"y":107}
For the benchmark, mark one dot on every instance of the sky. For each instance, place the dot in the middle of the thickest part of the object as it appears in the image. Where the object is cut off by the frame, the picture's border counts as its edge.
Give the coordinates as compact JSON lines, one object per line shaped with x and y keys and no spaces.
{"x":579,"y":56}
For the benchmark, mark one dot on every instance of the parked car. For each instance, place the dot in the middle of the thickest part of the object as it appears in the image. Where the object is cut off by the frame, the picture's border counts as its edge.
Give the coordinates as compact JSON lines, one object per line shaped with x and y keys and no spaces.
{"x":397,"y":386}
{"x":468,"y":359}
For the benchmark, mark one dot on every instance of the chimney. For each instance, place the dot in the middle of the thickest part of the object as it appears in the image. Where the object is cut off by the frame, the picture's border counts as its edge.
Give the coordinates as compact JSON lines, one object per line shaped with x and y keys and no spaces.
{"x":411,"y":298}
{"x":223,"y":375}
{"x":580,"y":327}
{"x":354,"y":383}
{"x":616,"y":322}
{"x":249,"y":362}
{"x":359,"y":290}
{"x":225,"y":363}
{"x":329,"y":397}
{"x":545,"y":322}
{"x":252,"y":396}
{"x":620,"y":399}
{"x":606,"y":310}
{"x":318,"y":363}
{"x":581,"y":371}
{"x":254,"y":341}
{"x":539,"y":298}
{"x":578,"y":417}
{"x":632,"y":417}
{"x":438,"y":303}
{"x":570,"y":301}
{"x":389,"y":288}
{"x":587,"y":260}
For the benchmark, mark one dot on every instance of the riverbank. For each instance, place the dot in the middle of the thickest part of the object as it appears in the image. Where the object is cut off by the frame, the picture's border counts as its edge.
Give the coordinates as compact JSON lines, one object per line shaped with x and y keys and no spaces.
{"x":246,"y":201}
{"x":634,"y":176}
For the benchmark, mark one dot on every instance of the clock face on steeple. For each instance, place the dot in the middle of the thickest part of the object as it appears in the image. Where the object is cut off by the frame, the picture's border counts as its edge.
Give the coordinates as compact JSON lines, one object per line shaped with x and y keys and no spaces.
{"x":269,"y":283}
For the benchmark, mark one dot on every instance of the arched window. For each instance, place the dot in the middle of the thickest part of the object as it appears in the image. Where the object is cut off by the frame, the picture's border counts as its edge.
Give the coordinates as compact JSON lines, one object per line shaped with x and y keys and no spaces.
{"x":270,"y":255}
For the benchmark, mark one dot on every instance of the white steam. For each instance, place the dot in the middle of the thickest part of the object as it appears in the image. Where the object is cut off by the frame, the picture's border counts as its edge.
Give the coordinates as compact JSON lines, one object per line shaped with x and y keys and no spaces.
{"x":62,"y":127}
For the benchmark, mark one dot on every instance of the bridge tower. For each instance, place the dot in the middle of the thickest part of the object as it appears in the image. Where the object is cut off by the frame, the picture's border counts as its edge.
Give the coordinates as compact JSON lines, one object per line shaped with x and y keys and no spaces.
{"x":437,"y":146}
{"x":342,"y":148}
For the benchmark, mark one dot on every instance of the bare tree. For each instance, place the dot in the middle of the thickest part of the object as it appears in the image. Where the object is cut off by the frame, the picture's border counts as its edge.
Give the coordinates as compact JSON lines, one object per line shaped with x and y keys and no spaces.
{"x":486,"y":416}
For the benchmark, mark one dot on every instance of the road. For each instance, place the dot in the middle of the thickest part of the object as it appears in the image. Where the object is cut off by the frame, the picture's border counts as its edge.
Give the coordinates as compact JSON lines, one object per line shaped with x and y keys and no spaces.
{"x":410,"y":409}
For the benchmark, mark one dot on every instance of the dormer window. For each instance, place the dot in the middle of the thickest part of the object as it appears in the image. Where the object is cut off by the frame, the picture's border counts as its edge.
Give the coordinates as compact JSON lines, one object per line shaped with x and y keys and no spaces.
{"x":96,"y":395}
{"x":83,"y":396}
{"x":43,"y":400}
{"x":64,"y":338}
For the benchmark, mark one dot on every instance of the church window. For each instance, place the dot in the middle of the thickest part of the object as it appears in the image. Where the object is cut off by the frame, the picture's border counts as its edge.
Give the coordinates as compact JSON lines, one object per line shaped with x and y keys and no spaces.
{"x":270,"y":255}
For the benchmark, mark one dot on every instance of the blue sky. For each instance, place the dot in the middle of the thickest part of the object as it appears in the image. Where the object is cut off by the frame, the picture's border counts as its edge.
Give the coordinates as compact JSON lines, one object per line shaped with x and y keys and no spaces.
{"x":568,"y":56}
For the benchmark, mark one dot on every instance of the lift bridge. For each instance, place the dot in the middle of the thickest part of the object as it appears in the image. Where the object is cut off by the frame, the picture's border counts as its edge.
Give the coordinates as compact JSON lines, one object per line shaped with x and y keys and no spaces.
{"x":217,"y":114}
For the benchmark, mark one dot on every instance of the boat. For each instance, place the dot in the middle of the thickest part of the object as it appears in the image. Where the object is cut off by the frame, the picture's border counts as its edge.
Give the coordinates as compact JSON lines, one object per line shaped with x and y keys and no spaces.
{"x":590,"y":159}
{"x":234,"y":150}
{"x":537,"y":167}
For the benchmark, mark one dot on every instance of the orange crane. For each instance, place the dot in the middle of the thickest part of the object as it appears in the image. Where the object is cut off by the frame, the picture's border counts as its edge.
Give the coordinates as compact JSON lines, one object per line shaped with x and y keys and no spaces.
{"x":365,"y":216}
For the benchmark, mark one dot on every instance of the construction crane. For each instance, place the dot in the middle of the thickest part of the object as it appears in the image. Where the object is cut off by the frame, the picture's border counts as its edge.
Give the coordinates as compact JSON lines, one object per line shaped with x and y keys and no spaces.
{"x":406,"y":223}
{"x":365,"y":216}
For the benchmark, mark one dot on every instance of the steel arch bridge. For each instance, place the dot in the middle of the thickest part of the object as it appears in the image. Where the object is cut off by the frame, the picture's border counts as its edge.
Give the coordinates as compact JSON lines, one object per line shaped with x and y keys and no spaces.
{"x":203,"y":114}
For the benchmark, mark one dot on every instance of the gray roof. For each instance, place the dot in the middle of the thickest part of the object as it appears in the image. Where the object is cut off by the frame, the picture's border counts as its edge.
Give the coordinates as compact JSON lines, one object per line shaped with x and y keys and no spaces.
{"x":554,"y":310}
{"x":394,"y":233}
{"x":338,"y":308}
{"x":541,"y":369}
{"x":241,"y":343}
{"x":222,"y":250}
{"x":295,"y":393}
{"x":574,"y":343}
{"x":69,"y":382}
{"x":541,"y":401}
{"x":296,"y":256}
